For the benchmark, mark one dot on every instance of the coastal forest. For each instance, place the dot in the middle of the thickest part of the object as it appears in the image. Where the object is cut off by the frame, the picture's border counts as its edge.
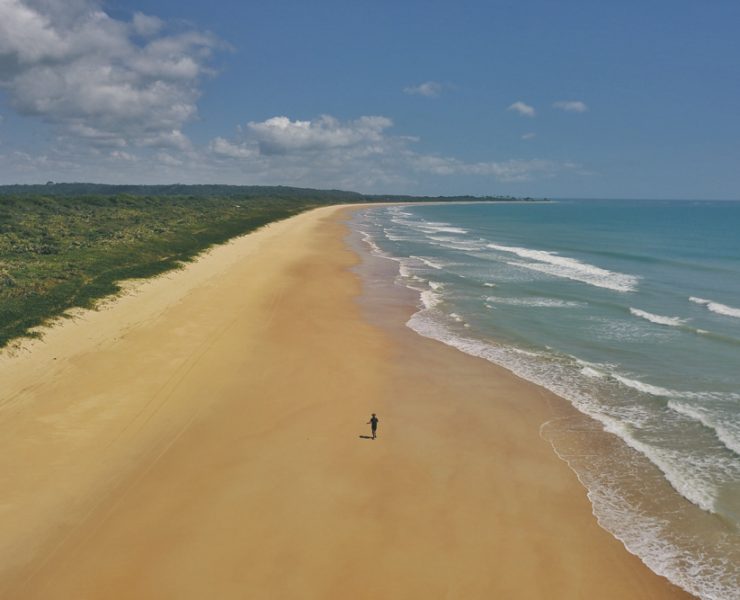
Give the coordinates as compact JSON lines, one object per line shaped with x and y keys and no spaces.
{"x":68,"y":245}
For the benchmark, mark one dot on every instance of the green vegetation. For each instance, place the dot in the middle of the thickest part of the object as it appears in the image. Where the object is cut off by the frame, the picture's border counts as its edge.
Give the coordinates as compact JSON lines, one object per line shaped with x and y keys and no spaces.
{"x":67,"y":245}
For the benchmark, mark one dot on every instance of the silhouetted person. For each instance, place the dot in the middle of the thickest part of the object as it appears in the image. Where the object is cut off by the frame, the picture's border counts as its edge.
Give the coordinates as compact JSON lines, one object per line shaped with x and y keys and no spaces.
{"x":373,"y":422}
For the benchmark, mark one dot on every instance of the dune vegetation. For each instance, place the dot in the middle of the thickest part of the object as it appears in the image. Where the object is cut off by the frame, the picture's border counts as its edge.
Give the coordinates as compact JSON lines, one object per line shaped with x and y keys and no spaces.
{"x":68,"y":245}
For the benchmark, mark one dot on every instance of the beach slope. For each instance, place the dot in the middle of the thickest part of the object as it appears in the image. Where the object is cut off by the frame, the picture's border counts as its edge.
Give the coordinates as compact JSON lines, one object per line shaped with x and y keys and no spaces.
{"x":205,"y":437}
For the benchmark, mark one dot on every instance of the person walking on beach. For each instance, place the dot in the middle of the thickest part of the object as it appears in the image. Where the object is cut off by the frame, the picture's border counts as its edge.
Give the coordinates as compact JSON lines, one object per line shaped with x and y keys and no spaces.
{"x":373,"y":422}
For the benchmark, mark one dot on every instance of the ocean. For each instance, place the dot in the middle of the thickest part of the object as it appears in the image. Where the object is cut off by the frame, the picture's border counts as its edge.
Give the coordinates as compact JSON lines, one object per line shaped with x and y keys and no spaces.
{"x":630,"y":311}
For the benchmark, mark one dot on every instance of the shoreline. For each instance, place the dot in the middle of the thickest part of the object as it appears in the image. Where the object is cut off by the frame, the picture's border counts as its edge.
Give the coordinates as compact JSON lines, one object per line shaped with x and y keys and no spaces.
{"x":399,"y":303}
{"x":619,"y":442}
{"x":201,"y":437}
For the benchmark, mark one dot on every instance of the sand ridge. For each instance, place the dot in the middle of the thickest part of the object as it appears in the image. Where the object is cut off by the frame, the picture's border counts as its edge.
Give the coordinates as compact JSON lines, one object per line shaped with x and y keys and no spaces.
{"x":201,"y":438}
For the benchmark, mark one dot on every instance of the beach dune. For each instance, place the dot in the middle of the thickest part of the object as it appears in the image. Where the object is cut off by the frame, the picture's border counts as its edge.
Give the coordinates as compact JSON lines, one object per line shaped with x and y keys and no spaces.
{"x":202,"y":437}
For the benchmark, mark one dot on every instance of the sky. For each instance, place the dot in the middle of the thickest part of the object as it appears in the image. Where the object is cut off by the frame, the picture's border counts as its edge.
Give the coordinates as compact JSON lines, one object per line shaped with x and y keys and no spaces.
{"x":620,"y":99}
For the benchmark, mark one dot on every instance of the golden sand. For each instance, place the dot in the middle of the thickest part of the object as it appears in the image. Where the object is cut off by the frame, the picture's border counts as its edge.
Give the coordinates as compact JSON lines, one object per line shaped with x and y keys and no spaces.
{"x":200,"y":438}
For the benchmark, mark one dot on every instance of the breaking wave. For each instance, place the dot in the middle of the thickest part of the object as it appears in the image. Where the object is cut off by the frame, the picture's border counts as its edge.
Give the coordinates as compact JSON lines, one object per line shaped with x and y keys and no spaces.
{"x":659,"y":319}
{"x":716,"y":307}
{"x":570,"y":268}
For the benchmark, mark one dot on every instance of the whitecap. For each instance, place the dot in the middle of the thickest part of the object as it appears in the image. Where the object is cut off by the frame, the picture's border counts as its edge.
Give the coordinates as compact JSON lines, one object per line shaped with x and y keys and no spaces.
{"x":429,"y":299}
{"x":429,"y":262}
{"x":728,"y":435}
{"x":397,"y":238}
{"x":645,"y":388}
{"x":688,"y":482}
{"x":370,"y":241}
{"x":534,"y":302}
{"x":427,"y":228}
{"x":712,"y":572}
{"x":659,"y":319}
{"x":526,"y":352}
{"x":687,"y":474}
{"x":570,"y":268}
{"x":403,"y":270}
{"x":591,"y":372}
{"x":443,"y":241}
{"x":716,"y":307}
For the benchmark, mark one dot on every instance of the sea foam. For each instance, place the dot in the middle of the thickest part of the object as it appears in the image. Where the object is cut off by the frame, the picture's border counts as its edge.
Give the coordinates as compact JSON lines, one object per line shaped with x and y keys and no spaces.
{"x":725,"y":432}
{"x":659,"y":319}
{"x":441,"y":228}
{"x":688,"y":475}
{"x":645,"y":388}
{"x":430,"y":299}
{"x":652,"y":538}
{"x":429,"y":262}
{"x":685,"y":434}
{"x":569,"y":268}
{"x":463,"y":245}
{"x":429,"y":227}
{"x":591,"y":372}
{"x":535,"y":302}
{"x":370,"y":241}
{"x":692,"y":483}
{"x":716,"y":307}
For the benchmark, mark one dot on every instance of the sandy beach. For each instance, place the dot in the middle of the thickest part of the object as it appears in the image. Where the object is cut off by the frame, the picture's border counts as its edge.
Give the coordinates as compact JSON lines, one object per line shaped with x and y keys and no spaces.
{"x":202,"y":437}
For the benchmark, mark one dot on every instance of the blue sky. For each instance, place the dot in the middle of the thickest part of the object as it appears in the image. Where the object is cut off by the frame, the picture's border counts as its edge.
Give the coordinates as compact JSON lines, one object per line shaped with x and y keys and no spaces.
{"x":560,"y":99}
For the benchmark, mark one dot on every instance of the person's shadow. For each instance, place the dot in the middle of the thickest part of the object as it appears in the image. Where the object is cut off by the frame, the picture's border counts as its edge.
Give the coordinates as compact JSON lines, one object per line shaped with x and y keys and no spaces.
{"x":366,"y":437}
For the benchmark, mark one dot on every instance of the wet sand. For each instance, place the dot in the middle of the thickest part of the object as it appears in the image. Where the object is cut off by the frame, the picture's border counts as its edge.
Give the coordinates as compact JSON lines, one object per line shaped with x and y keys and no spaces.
{"x":202,"y":437}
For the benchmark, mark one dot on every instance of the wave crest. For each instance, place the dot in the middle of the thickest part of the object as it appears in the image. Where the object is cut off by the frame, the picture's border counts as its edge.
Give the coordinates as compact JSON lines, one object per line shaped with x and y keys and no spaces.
{"x":659,"y":319}
{"x":570,"y":268}
{"x":716,"y":307}
{"x":534,"y":302}
{"x":730,"y":438}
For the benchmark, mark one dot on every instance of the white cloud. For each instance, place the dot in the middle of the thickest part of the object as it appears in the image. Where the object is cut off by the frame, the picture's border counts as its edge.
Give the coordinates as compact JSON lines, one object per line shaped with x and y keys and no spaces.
{"x":38,"y":165}
{"x":523,"y":109}
{"x":358,"y":154}
{"x":223,"y":147}
{"x":71,"y":64}
{"x":280,"y":135}
{"x":121,"y":155}
{"x":27,"y":34}
{"x":571,"y":106}
{"x":429,"y":89}
{"x":529,"y":135}
{"x":119,"y":93}
{"x":508,"y":171}
{"x":146,"y":25}
{"x":168,"y":160}
{"x":173,"y":140}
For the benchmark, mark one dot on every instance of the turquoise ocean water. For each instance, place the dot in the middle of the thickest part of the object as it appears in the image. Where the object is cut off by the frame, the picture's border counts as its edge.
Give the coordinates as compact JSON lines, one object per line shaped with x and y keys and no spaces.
{"x":630,"y":310}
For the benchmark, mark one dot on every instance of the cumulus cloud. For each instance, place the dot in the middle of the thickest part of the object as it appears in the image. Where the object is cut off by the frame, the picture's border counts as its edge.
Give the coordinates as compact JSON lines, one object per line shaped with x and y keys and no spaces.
{"x":280,"y":135}
{"x":173,"y":139}
{"x":118,"y":94}
{"x":523,"y":109}
{"x":359,"y":154}
{"x":529,"y":135}
{"x":430,"y":89}
{"x":571,"y":106}
{"x":104,"y":81}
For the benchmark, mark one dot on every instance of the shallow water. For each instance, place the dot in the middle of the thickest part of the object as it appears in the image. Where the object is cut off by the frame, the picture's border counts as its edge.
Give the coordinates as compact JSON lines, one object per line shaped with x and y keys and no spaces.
{"x":629,"y":310}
